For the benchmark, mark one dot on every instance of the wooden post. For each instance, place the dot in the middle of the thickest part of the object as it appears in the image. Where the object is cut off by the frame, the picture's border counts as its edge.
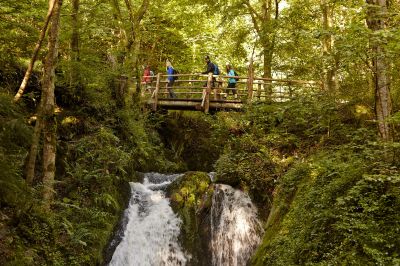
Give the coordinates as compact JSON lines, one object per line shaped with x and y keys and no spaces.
{"x":208,"y":92}
{"x":250,"y":82}
{"x":290,"y":90}
{"x":155,"y":92}
{"x":259,"y":91}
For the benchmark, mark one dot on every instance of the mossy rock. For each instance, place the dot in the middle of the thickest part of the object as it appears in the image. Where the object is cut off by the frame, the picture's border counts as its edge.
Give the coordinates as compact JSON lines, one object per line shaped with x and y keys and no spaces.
{"x":191,"y":197}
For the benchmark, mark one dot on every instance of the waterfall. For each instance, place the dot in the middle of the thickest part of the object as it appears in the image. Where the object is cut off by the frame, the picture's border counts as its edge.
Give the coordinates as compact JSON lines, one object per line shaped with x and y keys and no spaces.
{"x":235,"y":229}
{"x":152,"y":230}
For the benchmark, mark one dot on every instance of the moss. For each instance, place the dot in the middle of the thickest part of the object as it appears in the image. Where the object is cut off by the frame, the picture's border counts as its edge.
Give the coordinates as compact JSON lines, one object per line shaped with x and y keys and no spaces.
{"x":191,"y":197}
{"x":191,"y":139}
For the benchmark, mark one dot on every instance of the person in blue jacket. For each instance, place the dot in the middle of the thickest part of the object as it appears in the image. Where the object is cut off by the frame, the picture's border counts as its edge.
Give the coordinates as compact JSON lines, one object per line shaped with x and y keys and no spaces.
{"x":231,"y":81}
{"x":171,"y":79}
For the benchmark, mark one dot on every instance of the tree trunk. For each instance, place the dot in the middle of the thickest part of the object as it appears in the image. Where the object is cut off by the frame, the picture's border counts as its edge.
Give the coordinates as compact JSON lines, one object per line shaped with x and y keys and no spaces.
{"x":133,"y":44}
{"x":31,"y":163}
{"x":267,"y":53}
{"x":74,"y":72}
{"x":35,"y":53}
{"x":329,"y":82}
{"x":49,"y":123}
{"x":266,"y":37}
{"x":376,"y":20}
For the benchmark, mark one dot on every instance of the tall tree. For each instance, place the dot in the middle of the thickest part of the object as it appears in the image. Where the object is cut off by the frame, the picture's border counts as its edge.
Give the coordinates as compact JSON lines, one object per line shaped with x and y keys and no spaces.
{"x":376,"y":21}
{"x":45,"y":117}
{"x":265,"y":24}
{"x":133,"y":44}
{"x":31,"y":162}
{"x":49,"y":121}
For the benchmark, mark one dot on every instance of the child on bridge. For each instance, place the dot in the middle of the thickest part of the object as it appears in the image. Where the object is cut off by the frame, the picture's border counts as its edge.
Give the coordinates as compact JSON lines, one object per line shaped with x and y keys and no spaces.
{"x":231,"y":81}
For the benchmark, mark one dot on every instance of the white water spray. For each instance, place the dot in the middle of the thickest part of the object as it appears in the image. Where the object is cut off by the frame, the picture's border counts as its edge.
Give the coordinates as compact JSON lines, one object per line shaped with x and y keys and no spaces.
{"x":151,"y":234}
{"x":236,"y":231}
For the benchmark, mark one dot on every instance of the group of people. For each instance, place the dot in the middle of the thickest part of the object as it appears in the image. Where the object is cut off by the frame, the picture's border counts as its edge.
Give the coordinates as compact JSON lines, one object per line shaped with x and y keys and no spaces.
{"x":211,"y":68}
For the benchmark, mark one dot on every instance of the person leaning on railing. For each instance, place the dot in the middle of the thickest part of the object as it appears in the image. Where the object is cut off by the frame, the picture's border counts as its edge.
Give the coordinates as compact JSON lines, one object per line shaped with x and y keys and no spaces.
{"x":210,"y":69}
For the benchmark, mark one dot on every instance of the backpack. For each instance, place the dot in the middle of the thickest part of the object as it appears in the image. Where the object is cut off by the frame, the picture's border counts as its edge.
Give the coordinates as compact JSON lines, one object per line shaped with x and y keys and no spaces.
{"x":174,"y":72}
{"x":216,"y":69}
{"x":236,"y":74}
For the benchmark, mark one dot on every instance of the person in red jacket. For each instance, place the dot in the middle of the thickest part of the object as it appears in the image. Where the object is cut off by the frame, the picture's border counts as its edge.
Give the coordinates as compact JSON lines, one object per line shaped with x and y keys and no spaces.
{"x":147,"y":79}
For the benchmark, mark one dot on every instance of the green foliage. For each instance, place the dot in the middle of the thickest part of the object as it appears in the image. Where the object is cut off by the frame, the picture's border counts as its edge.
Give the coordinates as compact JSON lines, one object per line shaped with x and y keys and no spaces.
{"x":249,"y":164}
{"x":190,"y":138}
{"x":190,"y":190}
{"x":345,"y":210}
{"x":142,"y":142}
{"x":15,"y":137}
{"x":265,"y":141}
{"x":338,"y":208}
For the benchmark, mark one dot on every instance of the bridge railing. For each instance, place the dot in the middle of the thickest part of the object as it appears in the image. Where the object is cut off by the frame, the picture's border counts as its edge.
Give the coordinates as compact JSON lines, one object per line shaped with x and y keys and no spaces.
{"x":206,"y":88}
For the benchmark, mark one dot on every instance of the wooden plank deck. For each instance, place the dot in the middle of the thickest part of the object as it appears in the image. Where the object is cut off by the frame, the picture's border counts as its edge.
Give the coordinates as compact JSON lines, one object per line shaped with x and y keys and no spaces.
{"x":195,"y":104}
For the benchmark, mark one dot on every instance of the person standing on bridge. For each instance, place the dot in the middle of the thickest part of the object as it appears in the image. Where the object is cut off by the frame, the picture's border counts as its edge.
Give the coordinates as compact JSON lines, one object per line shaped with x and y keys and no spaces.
{"x":171,"y":79}
{"x":210,"y":69}
{"x":231,"y":81}
{"x":147,"y":79}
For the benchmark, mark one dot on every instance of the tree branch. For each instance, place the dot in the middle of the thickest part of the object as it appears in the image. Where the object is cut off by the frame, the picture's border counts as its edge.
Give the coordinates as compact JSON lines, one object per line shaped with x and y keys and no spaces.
{"x":35,"y":53}
{"x":254,"y":16}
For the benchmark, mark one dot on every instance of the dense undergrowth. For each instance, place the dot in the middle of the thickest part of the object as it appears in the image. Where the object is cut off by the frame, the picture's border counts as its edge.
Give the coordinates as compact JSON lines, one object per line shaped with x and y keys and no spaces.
{"x":100,"y":148}
{"x":326,"y":188}
{"x":337,"y":207}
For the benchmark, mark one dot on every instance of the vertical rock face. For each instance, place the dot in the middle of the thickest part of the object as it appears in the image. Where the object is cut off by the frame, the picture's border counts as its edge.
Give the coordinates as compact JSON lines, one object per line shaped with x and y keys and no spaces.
{"x":235,"y":229}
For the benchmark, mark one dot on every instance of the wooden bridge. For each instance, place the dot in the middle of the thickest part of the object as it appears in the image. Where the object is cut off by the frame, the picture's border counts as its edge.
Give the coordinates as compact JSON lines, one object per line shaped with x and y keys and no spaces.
{"x":199,"y":92}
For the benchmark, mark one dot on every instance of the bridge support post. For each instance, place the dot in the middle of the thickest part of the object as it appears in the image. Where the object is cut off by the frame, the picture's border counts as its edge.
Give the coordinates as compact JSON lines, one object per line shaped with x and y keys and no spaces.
{"x":250,"y":81}
{"x":259,"y":91}
{"x":155,"y":92}
{"x":208,"y":93}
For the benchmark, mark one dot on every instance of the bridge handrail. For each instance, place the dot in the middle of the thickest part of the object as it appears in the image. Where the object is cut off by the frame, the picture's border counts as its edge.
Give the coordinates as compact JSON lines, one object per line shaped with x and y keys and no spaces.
{"x":262,"y":88}
{"x":239,"y":77}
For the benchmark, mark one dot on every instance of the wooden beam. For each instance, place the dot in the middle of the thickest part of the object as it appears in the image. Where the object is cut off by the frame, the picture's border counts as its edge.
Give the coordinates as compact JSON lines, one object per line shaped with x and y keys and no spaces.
{"x":208,"y":92}
{"x":155,"y":93}
{"x":250,"y":82}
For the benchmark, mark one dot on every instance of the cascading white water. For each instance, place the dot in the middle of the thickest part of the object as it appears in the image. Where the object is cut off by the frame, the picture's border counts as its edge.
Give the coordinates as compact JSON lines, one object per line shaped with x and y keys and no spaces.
{"x":236,"y":231}
{"x":151,"y":234}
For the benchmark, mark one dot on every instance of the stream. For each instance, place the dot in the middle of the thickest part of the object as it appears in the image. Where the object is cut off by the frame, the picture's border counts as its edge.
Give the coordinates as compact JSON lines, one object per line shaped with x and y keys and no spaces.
{"x":151,"y":231}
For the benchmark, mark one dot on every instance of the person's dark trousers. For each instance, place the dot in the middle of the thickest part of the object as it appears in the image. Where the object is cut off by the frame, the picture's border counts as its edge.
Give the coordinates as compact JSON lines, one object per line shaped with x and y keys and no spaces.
{"x":169,"y":88}
{"x":232,"y":87}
